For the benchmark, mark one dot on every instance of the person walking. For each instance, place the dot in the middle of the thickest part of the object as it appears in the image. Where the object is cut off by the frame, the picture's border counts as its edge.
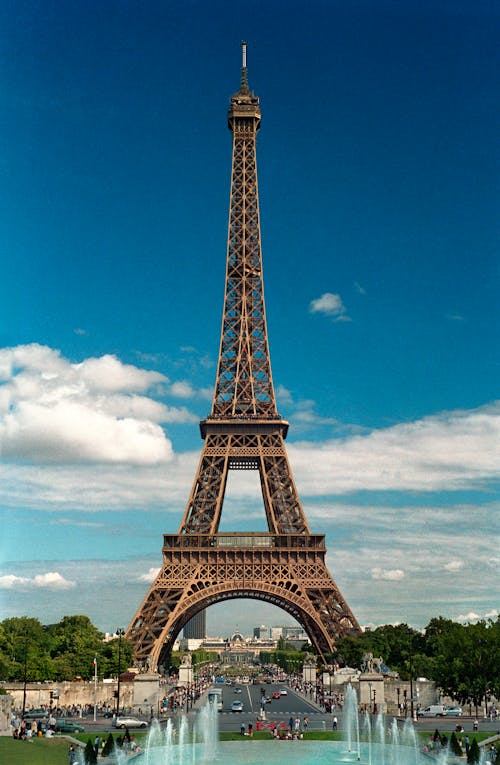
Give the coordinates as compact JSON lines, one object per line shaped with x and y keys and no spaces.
{"x":335,"y":721}
{"x":467,"y":745}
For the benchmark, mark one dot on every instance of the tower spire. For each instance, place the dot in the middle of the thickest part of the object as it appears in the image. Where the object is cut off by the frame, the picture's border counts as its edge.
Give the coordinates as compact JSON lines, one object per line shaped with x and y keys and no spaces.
{"x":244,"y":73}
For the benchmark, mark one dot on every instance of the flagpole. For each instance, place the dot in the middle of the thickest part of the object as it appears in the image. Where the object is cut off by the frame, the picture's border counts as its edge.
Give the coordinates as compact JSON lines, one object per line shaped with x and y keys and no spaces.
{"x":95,"y":688}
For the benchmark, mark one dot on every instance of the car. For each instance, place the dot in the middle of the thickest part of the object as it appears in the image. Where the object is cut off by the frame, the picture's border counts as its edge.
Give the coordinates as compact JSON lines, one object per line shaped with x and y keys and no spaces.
{"x":276,"y":695}
{"x":434,"y":710}
{"x":283,"y":692}
{"x":35,"y":714}
{"x":236,"y":706}
{"x":68,"y":726}
{"x":453,"y":711}
{"x":237,"y":690}
{"x":129,"y":722}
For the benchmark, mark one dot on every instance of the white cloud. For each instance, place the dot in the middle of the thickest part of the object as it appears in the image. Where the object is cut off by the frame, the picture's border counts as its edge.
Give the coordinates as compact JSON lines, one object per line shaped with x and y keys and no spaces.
{"x":470,"y":617}
{"x":53,"y":411}
{"x":329,"y":304}
{"x":491,"y":614}
{"x":390,"y":575}
{"x":51,"y":580}
{"x":448,"y":451}
{"x":454,"y":565}
{"x":150,"y":576}
{"x":184,"y":389}
{"x":284,"y":396}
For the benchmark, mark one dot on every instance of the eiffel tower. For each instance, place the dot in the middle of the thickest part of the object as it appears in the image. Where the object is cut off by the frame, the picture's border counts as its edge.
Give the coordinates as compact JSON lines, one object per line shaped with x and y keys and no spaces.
{"x":286,"y":565}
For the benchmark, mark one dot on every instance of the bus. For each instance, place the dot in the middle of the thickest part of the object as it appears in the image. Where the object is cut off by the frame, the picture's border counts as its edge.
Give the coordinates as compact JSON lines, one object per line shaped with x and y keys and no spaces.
{"x":215,"y":696}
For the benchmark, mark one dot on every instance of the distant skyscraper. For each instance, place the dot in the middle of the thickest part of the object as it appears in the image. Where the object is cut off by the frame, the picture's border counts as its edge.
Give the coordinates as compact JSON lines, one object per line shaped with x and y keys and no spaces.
{"x":261,"y":632}
{"x":197,"y":627}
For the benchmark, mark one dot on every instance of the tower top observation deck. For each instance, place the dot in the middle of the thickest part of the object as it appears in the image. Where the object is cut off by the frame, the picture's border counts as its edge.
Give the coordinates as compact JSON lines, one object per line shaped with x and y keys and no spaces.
{"x":244,"y":103}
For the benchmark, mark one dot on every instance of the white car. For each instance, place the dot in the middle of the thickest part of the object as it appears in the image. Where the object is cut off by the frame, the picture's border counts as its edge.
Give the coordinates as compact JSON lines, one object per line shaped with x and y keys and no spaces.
{"x":236,"y":706}
{"x":129,"y":722}
{"x":283,"y":692}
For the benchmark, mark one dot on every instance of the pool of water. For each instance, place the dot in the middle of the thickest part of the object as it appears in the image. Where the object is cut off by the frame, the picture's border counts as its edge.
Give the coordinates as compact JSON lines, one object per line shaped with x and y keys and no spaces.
{"x":256,"y":752}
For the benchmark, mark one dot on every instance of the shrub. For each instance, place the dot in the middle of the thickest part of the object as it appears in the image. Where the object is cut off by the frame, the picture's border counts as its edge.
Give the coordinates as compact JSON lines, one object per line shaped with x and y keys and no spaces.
{"x":474,"y":752}
{"x":454,"y":745}
{"x":89,"y":754}
{"x":109,"y":746}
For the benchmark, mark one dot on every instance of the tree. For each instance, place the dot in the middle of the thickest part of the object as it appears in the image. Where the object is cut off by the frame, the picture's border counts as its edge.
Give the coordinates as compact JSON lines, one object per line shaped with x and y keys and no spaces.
{"x":455,"y":747}
{"x":109,"y":746}
{"x":474,"y":752}
{"x":467,"y":661}
{"x":89,"y":754}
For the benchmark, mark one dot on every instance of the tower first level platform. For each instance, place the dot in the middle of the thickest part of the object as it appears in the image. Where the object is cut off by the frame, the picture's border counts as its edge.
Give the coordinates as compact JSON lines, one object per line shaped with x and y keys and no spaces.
{"x":287,"y":570}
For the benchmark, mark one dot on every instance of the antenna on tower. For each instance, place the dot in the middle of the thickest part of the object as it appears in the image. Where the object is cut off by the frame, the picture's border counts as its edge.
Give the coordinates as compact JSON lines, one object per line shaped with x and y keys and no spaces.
{"x":244,"y":80}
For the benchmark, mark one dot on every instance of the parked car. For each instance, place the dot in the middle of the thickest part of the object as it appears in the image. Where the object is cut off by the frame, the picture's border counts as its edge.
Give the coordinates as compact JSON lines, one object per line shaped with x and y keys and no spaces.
{"x":68,"y":726}
{"x":434,"y":710}
{"x":236,"y":706}
{"x":453,"y":711}
{"x":129,"y":722}
{"x":35,"y":714}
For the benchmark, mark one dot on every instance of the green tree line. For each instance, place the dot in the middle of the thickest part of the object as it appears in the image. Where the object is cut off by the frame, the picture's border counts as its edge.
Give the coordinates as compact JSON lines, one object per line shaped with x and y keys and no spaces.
{"x":62,"y":651}
{"x":462,"y":659}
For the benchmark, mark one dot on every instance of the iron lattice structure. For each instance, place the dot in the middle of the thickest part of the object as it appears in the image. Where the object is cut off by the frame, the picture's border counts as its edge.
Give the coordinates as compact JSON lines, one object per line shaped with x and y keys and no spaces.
{"x":244,"y":431}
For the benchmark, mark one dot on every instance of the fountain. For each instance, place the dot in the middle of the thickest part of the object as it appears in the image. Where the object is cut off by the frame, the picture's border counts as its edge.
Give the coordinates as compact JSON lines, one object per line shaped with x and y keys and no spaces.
{"x":367,"y":740}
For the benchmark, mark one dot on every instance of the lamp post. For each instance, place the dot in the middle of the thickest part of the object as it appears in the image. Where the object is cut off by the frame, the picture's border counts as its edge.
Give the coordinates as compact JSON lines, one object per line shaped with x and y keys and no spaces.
{"x":411,"y":673}
{"x":120,"y":632}
{"x":95,"y":687}
{"x":25,"y":673}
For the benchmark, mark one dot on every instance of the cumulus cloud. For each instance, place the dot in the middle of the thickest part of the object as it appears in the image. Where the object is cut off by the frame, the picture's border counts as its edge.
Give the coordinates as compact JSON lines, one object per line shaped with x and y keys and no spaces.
{"x":53,"y":411}
{"x":329,"y":304}
{"x":150,"y":576}
{"x":454,"y":565}
{"x":472,"y":616}
{"x":390,"y":575}
{"x":52,"y":580}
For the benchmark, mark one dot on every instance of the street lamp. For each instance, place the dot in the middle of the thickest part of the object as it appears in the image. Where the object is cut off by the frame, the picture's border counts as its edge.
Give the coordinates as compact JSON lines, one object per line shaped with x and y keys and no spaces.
{"x":411,"y":673}
{"x":25,"y":673}
{"x":120,"y":632}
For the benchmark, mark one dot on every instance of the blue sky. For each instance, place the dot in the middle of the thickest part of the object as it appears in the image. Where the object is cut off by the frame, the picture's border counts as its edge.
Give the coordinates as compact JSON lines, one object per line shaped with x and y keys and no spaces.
{"x":378,"y":180}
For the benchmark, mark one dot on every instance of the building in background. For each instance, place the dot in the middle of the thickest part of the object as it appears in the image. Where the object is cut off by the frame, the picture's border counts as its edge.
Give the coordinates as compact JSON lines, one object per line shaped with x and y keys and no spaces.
{"x":196,"y":628}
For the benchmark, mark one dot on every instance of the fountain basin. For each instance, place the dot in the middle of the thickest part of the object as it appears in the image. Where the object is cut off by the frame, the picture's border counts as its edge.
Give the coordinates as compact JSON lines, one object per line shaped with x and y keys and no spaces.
{"x":277,"y":753}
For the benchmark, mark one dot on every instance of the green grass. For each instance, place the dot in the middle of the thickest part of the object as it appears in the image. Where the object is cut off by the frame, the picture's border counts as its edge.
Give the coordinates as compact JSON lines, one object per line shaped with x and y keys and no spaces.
{"x":38,"y":751}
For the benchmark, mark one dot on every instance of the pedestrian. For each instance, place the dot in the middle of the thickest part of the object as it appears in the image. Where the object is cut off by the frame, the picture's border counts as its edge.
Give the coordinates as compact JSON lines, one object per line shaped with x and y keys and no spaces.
{"x":297,"y":724}
{"x":475,"y":726}
{"x":335,"y":721}
{"x":467,"y":745}
{"x":96,"y":746}
{"x":242,"y":728}
{"x":306,"y":722}
{"x":71,"y":755}
{"x":250,"y":729}
{"x":290,"y":724}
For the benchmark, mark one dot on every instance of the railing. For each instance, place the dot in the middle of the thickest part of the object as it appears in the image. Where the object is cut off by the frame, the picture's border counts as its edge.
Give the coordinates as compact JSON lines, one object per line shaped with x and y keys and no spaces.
{"x":235,"y":540}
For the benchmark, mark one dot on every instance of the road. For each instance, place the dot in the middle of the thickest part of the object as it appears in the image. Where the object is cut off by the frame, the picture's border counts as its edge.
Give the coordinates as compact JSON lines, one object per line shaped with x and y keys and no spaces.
{"x":282,"y":709}
{"x":277,"y":710}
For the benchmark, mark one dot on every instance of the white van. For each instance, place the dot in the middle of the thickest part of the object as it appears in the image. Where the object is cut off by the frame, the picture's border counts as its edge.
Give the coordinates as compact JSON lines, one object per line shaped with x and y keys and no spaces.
{"x":435,"y":710}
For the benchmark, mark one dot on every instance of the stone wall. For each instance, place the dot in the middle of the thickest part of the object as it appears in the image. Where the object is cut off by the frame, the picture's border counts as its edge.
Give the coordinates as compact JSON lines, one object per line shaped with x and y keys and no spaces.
{"x":70,"y":694}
